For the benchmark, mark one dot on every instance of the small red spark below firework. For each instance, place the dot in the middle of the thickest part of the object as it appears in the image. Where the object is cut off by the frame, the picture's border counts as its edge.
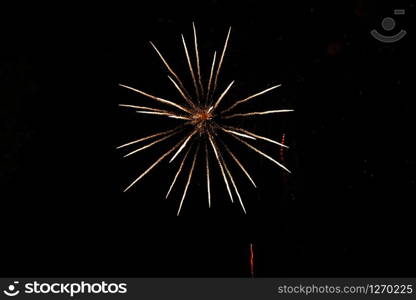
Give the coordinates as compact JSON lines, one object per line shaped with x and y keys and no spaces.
{"x":282,"y":149}
{"x":251,"y":260}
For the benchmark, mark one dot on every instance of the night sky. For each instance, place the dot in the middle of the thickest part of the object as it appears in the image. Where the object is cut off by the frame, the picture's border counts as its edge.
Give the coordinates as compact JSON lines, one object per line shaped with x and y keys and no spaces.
{"x":347,"y":208}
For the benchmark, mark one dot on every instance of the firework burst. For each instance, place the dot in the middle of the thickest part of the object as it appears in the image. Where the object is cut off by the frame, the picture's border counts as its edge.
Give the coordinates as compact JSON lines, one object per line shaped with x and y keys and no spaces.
{"x":202,"y":125}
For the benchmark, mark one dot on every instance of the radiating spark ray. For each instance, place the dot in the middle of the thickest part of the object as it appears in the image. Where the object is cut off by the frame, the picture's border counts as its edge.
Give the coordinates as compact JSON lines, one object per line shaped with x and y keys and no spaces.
{"x":262,"y":153}
{"x":187,"y":99}
{"x":239,"y":164}
{"x":183,"y":145}
{"x":162,"y":113}
{"x":207,"y":173}
{"x":170,"y":70}
{"x":257,"y":113}
{"x":146,"y":108}
{"x":154,"y":165}
{"x":221,"y":59}
{"x":179,"y":117}
{"x":190,"y":67}
{"x":238,"y":133}
{"x":156,"y":98}
{"x":232,"y":182}
{"x":250,"y":97}
{"x":189,"y":179}
{"x":222,"y":95}
{"x":210,"y":76}
{"x":221,"y":167}
{"x":259,"y":136}
{"x":140,"y":107}
{"x":197,"y":61}
{"x":151,"y":144}
{"x":148,"y":137}
{"x":178,"y":172}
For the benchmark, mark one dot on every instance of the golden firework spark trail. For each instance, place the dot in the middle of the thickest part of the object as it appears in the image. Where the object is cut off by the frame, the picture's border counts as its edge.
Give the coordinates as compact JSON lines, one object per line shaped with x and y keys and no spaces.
{"x":198,"y":68}
{"x":172,"y":73}
{"x":150,"y":145}
{"x":230,"y":176}
{"x":207,"y":173}
{"x":222,"y":58}
{"x":210,"y":76}
{"x":250,"y":97}
{"x":222,"y":95}
{"x":254,"y":136}
{"x":156,"y":98}
{"x":190,"y":68}
{"x":153,"y":165}
{"x":161,"y":113}
{"x":191,"y":171}
{"x":187,"y":99}
{"x":148,"y":137}
{"x":257,"y":113}
{"x":220,"y":165}
{"x":141,"y":107}
{"x":239,"y":164}
{"x":182,"y":146}
{"x":262,"y":153}
{"x":178,"y":172}
{"x":202,"y":120}
{"x":238,"y":133}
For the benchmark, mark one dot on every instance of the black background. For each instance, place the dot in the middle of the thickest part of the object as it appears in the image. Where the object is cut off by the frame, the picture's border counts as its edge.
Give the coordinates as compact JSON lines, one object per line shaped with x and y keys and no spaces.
{"x":346,"y":209}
